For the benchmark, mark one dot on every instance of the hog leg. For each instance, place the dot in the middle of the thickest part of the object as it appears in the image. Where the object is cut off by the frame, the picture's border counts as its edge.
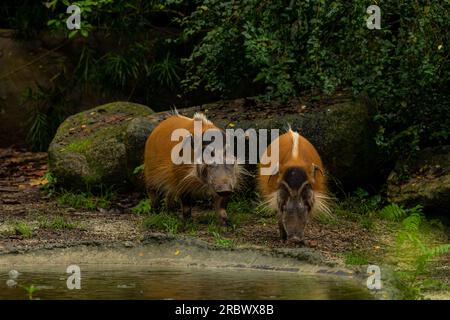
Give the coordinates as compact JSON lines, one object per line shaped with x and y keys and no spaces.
{"x":186,"y":206}
{"x":283,"y":234}
{"x":154,"y":199}
{"x":171,"y":202}
{"x":221,"y":209}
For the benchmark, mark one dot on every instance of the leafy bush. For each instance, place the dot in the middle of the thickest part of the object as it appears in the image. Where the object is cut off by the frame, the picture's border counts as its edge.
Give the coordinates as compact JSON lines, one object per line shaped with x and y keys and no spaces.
{"x":289,"y":47}
{"x":412,"y":245}
{"x":143,"y":207}
{"x":277,"y":48}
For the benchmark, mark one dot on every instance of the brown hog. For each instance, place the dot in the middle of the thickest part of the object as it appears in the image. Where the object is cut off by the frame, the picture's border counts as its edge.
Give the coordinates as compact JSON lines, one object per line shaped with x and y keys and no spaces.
{"x":296,"y":189}
{"x":186,"y":181}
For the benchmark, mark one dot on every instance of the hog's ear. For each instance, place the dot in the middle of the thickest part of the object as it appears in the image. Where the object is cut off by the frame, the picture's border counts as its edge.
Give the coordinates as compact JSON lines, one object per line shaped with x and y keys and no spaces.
{"x":306,"y":193}
{"x":314,"y":169}
{"x":201,"y":171}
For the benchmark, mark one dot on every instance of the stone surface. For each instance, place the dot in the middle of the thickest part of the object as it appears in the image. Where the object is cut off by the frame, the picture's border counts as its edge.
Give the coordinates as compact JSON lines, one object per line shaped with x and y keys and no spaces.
{"x":340,"y":128}
{"x":101,"y":146}
{"x":423,"y":179}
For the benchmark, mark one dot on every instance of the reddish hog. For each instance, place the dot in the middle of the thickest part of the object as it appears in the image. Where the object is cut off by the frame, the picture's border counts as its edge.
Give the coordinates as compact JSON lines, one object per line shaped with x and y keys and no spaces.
{"x":186,"y":181}
{"x":296,"y":188}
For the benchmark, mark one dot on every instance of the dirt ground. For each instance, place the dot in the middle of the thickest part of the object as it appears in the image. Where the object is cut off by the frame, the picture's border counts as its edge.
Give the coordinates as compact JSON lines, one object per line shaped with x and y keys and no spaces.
{"x":21,"y":199}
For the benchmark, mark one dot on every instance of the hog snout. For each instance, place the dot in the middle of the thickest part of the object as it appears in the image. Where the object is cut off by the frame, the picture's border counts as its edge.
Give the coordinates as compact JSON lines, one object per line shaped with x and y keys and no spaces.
{"x":297,"y":239}
{"x":224,"y":193}
{"x":224,"y":187}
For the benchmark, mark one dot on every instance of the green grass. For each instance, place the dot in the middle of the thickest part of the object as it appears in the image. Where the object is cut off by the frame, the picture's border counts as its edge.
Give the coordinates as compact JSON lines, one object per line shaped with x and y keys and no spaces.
{"x":355,"y":258}
{"x":165,"y":222}
{"x":59,"y":223}
{"x":139,"y":170}
{"x":221,"y":241}
{"x":30,"y":290}
{"x":143,"y":207}
{"x":359,"y":207}
{"x":22,"y":229}
{"x":239,"y":211}
{"x":79,"y":146}
{"x":87,"y":200}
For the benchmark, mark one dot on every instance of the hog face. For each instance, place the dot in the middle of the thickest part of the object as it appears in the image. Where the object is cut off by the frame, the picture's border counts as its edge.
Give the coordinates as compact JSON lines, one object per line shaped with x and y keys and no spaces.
{"x":295,"y":201}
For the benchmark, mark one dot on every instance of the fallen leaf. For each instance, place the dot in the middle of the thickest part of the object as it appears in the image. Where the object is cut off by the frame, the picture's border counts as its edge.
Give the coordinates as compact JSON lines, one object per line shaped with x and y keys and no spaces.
{"x":38,"y":182}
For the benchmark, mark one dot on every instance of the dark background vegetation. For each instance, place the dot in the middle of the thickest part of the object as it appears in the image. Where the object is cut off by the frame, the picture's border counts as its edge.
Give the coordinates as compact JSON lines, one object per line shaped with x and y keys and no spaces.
{"x":164,"y":53}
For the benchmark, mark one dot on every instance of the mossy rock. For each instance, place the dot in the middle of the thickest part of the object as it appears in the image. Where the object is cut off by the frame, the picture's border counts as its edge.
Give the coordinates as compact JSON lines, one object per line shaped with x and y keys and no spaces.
{"x":100,"y":146}
{"x":104,"y":145}
{"x":423,"y":179}
{"x":340,"y":128}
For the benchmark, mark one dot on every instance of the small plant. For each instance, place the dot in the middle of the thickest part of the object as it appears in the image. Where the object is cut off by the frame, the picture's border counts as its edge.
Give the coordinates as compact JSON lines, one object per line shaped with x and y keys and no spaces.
{"x":355,"y":258}
{"x":59,"y":223}
{"x":139,"y":170}
{"x":77,"y":201}
{"x":163,"y":221}
{"x":30,"y":290}
{"x":143,"y":207}
{"x":411,"y":245}
{"x":49,"y":182}
{"x":23,"y":229}
{"x":239,"y":211}
{"x":87,"y":200}
{"x":221,"y":241}
{"x":166,"y":71}
{"x":393,"y":212}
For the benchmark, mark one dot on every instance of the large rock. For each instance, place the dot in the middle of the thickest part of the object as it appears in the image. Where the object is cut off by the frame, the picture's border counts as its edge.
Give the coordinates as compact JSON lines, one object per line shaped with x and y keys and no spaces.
{"x":340,"y":128}
{"x":106,"y":151}
{"x":423,"y":179}
{"x":101,"y":146}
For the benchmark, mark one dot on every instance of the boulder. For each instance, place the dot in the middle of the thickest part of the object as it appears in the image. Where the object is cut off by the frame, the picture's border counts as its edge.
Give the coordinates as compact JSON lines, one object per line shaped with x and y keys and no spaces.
{"x":340,"y":128}
{"x":105,"y":144}
{"x":423,"y":179}
{"x":100,"y":146}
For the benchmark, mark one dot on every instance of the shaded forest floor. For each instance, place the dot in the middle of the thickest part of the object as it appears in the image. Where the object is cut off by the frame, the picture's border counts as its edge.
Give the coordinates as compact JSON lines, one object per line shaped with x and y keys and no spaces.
{"x":32,"y":216}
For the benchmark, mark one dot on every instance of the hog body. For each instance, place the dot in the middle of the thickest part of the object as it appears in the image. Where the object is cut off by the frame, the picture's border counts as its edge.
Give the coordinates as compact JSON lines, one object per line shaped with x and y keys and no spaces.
{"x":297,"y":188}
{"x":186,"y":181}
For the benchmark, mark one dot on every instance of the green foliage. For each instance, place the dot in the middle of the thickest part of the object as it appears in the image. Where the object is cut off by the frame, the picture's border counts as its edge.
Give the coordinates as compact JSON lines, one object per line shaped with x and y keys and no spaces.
{"x":46,"y":110}
{"x":58,"y":223}
{"x":410,"y":240}
{"x":286,"y":48}
{"x":360,"y":206}
{"x":25,"y":17}
{"x":221,"y":241}
{"x":166,"y":71}
{"x":142,"y":64}
{"x":355,"y":258}
{"x":30,"y":290}
{"x":278,"y":48}
{"x":393,"y":212}
{"x":163,"y":221}
{"x":87,"y":200}
{"x":139,"y":169}
{"x":51,"y":180}
{"x":143,"y":207}
{"x":22,"y":229}
{"x":239,"y":210}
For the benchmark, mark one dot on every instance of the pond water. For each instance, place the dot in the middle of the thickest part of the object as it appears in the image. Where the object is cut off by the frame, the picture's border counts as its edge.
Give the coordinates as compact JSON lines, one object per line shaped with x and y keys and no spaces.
{"x":181,"y":283}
